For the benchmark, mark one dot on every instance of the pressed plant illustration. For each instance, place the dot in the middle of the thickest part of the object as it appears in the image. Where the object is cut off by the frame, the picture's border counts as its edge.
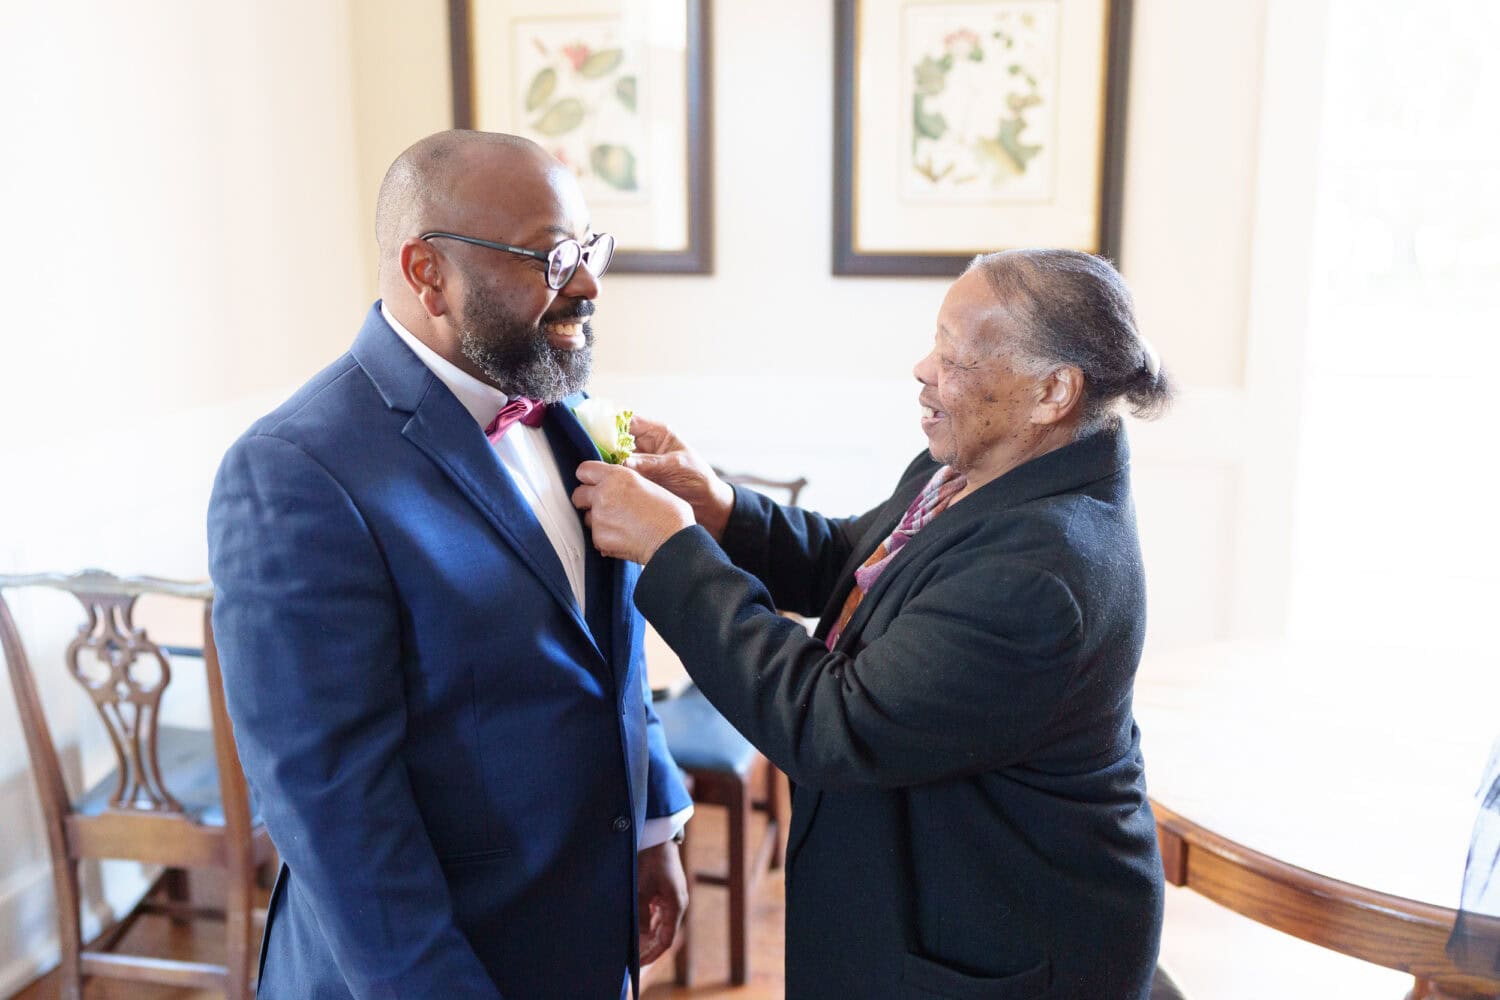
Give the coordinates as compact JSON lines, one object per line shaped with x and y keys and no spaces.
{"x":982,"y":84}
{"x":578,"y":91}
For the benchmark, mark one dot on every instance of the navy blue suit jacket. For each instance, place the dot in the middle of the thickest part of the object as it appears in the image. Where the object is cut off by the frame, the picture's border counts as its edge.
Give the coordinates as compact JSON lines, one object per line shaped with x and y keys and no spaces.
{"x":451,"y":759}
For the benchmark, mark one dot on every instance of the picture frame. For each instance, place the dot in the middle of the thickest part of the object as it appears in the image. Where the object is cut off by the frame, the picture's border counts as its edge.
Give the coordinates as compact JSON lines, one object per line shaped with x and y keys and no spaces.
{"x":617,"y":89}
{"x":968,"y":126}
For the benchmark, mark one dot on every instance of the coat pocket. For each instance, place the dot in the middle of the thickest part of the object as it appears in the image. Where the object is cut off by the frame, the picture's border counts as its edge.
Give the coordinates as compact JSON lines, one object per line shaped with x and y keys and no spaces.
{"x":459,"y":859}
{"x":924,"y":979}
{"x":272,"y":909}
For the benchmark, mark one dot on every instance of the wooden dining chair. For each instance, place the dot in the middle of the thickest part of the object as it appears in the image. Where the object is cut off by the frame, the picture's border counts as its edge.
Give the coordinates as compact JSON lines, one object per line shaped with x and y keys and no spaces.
{"x":177,"y":797}
{"x":725,"y":771}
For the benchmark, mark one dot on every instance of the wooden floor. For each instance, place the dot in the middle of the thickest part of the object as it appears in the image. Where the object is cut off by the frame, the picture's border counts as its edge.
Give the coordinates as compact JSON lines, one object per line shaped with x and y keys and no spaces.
{"x":709,"y":918}
{"x":1214,"y":954}
{"x":199,"y":941}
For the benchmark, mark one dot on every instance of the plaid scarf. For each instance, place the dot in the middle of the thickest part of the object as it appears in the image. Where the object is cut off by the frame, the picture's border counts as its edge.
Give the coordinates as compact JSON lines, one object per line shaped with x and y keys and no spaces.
{"x":935,"y":497}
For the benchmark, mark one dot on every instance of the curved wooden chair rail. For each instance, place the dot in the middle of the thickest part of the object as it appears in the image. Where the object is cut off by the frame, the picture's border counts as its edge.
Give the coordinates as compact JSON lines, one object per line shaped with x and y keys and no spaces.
{"x":1390,"y":931}
{"x":103,"y":584}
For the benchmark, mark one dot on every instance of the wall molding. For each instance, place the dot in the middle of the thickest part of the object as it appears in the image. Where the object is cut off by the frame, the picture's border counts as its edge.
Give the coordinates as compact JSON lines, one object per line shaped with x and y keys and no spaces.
{"x":28,"y":910}
{"x":33,"y":949}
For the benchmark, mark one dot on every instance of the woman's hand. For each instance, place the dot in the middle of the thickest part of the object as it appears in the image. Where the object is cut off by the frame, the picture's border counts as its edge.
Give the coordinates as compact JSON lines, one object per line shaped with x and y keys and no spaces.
{"x":630,"y":517}
{"x":663,"y":458}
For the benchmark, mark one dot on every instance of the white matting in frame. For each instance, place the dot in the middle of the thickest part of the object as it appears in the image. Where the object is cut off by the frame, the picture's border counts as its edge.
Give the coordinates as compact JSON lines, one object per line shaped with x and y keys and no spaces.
{"x":978,"y":125}
{"x":603,"y":86}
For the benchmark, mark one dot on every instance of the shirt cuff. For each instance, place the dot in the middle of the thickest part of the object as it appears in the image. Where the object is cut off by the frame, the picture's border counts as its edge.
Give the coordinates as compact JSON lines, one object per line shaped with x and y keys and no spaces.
{"x":663,"y":828}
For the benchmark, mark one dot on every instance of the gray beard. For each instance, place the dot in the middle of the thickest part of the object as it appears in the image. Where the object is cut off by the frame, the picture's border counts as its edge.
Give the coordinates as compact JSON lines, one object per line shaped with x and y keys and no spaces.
{"x":516,"y":356}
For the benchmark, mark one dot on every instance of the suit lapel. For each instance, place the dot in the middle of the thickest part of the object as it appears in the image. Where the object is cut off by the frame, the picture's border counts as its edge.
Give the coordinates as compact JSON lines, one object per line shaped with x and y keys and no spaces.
{"x":608,"y":612}
{"x":446,"y":433}
{"x":443,"y":429}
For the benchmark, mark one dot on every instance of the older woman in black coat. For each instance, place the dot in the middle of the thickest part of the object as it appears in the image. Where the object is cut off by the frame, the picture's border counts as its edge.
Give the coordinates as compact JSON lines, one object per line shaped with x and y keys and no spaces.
{"x":970,"y":815}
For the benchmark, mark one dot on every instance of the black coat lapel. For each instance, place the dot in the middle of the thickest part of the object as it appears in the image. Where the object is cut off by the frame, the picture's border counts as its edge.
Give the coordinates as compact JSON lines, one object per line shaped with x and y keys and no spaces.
{"x":1071,"y":467}
{"x":880,"y":528}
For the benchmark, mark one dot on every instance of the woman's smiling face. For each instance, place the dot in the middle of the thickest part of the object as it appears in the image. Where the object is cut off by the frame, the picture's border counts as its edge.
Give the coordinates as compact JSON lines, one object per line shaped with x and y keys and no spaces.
{"x":977,"y":405}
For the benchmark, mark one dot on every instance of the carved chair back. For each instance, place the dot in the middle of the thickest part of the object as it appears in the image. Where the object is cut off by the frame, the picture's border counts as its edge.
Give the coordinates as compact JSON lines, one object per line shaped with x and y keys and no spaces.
{"x":124,"y":674}
{"x":137,"y":814}
{"x":782,"y":490}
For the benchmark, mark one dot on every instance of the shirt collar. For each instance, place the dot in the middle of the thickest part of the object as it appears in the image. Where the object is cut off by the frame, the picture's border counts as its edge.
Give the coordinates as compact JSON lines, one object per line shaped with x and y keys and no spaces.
{"x":483,"y":401}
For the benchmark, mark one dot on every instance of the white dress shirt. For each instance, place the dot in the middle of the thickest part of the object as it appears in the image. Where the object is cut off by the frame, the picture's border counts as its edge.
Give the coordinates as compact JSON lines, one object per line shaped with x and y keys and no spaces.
{"x":527,"y":458}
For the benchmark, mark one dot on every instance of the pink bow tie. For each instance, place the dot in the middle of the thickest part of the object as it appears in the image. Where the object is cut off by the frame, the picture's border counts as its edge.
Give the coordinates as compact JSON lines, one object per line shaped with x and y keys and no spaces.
{"x":518,"y":410}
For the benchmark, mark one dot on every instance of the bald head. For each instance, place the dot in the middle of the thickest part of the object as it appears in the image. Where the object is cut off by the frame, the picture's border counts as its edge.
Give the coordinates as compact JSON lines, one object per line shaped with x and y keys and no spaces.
{"x":446,"y":178}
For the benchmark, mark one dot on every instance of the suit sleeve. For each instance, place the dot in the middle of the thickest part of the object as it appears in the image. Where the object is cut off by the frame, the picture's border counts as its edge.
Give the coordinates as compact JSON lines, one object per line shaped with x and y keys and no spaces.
{"x":666,"y":795}
{"x":307,"y":625}
{"x":966,"y":678}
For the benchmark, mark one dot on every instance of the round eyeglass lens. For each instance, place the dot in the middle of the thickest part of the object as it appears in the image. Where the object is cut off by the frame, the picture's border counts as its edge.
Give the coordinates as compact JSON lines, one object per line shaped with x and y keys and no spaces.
{"x":596,"y":255}
{"x":562,"y":262}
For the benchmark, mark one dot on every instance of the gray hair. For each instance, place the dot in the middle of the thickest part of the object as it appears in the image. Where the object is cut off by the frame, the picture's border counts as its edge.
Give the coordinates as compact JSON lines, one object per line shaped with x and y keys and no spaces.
{"x":1079,"y":313}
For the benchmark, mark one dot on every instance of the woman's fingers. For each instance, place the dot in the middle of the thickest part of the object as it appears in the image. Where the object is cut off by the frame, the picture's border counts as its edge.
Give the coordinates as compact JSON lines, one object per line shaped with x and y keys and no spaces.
{"x":653,"y":437}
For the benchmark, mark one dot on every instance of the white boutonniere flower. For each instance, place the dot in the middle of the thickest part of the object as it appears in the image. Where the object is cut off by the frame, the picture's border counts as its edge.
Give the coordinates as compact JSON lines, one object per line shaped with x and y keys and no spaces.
{"x":609,"y":427}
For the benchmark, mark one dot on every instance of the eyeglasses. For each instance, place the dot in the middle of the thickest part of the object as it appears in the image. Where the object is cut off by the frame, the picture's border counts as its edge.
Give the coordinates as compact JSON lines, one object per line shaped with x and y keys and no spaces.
{"x":562,"y":260}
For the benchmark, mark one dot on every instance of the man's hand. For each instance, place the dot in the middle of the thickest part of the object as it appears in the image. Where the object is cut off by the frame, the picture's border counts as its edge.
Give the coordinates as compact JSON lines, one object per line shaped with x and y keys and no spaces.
{"x":630,"y":517}
{"x":662,"y":457}
{"x":663,"y":898}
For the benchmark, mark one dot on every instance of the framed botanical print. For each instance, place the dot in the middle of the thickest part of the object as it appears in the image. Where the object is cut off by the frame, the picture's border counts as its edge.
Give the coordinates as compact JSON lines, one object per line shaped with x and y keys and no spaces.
{"x":965,"y":126}
{"x":618,"y":90}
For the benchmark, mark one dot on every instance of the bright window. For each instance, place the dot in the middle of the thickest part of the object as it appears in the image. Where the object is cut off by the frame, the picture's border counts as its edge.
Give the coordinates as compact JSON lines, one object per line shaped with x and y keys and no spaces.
{"x":1397,"y":514}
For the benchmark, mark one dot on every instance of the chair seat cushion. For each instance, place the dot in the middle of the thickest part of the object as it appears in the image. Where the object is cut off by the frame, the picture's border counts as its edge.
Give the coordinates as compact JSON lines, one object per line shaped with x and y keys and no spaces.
{"x":189,"y":772}
{"x":700,"y":738}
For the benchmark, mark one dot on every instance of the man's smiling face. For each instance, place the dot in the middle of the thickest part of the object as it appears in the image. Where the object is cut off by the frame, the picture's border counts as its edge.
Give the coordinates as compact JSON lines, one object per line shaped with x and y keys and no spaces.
{"x":526,"y":338}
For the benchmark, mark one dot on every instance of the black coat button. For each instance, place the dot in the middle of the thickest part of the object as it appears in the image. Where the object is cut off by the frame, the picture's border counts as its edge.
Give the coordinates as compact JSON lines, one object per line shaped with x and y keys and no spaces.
{"x":621,"y":824}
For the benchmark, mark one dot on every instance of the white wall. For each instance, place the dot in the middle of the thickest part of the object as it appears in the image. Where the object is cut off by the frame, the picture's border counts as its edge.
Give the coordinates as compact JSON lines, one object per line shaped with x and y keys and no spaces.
{"x":182,"y":246}
{"x":190,"y":189}
{"x":401,"y":87}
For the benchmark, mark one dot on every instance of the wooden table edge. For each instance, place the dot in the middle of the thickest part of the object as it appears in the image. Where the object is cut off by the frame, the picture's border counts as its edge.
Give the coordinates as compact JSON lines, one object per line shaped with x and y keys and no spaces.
{"x":1376,"y":927}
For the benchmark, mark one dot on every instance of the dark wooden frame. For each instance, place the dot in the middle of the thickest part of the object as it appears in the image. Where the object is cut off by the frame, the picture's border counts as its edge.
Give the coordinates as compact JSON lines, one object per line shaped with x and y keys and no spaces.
{"x":847,"y":261}
{"x":698,"y":257}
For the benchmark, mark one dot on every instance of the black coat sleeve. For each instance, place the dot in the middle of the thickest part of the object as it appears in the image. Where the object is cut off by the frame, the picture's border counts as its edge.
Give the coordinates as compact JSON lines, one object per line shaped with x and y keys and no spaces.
{"x":811,"y":550}
{"x":965,"y":679}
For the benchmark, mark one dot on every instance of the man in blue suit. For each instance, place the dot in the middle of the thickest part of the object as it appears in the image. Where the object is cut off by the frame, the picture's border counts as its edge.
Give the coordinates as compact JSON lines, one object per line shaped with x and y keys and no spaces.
{"x":436,"y":682}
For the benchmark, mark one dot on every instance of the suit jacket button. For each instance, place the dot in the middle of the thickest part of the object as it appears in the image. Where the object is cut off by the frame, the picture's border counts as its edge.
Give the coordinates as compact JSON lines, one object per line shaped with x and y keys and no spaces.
{"x":621,"y":824}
